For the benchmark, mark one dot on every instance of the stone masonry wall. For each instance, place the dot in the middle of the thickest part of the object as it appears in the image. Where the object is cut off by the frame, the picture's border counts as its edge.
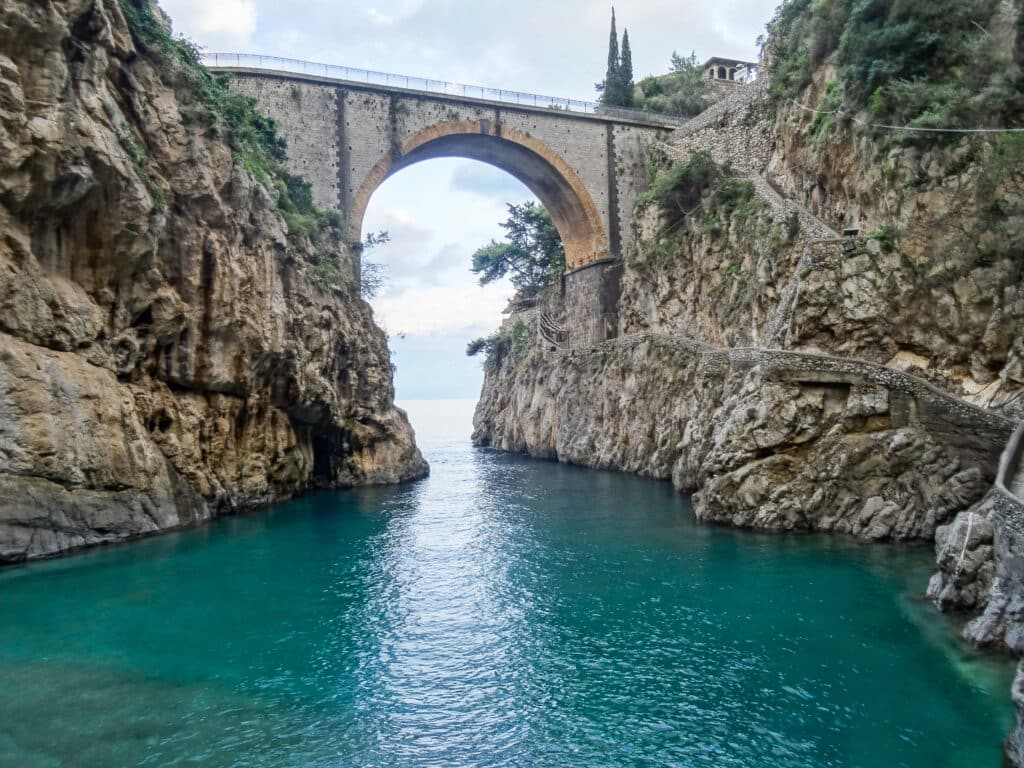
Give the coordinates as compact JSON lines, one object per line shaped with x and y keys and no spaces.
{"x":308,"y":115}
{"x":734,"y":130}
{"x":339,"y":134}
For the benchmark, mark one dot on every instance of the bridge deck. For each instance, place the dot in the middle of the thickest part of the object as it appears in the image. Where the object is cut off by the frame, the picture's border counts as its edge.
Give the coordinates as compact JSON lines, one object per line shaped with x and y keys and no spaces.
{"x":359,"y":79}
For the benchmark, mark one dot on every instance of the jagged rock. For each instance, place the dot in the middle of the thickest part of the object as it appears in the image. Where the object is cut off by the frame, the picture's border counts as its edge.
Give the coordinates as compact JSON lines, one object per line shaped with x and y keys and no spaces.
{"x":166,"y":352}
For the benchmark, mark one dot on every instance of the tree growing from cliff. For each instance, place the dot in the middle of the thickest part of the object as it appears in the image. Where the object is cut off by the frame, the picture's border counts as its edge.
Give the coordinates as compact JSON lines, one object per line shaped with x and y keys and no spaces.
{"x":617,"y":87}
{"x":373,"y":275}
{"x":531,"y":255}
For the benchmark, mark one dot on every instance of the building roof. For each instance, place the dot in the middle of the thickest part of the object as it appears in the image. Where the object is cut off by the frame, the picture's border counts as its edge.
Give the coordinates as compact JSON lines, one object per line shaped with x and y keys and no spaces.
{"x":717,"y":60}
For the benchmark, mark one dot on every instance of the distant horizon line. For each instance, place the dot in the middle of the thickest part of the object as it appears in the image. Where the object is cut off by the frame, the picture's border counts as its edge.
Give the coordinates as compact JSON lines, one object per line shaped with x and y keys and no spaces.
{"x":401,"y":400}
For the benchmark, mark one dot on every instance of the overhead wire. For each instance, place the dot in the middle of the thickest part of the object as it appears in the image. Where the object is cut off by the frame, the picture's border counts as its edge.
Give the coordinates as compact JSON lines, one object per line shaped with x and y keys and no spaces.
{"x":840,"y":112}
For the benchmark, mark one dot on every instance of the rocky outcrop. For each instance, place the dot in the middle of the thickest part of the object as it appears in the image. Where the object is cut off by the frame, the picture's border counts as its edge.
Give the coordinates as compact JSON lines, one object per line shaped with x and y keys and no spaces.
{"x":167,"y":352}
{"x":981,"y":572}
{"x":768,"y":439}
{"x":948,"y":293}
{"x":941,"y":292}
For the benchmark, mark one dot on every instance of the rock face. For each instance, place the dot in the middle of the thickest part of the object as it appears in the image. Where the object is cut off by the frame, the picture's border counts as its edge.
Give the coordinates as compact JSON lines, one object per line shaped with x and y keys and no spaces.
{"x":932,"y":286}
{"x":830,"y":337}
{"x":167,"y":353}
{"x":768,"y":439}
{"x":981,"y":572}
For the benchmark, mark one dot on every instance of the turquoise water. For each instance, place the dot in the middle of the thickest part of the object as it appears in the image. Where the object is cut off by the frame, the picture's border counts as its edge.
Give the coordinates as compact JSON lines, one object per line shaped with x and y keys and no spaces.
{"x":506,"y":612}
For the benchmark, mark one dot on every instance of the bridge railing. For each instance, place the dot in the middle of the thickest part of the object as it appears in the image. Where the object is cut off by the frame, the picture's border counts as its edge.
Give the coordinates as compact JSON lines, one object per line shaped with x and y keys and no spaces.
{"x":386,"y":79}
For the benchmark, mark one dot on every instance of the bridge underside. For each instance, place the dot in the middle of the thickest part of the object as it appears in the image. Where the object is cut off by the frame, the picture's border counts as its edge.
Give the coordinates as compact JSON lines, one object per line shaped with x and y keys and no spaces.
{"x":573,"y":211}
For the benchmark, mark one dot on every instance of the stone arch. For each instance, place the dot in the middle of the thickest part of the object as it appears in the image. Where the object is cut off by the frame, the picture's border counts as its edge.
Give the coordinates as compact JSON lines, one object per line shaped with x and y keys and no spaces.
{"x":532,"y":162}
{"x":721,"y":73}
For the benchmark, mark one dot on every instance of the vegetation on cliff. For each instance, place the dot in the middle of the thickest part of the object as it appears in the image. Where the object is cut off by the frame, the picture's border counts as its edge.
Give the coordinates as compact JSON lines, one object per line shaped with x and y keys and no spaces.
{"x":254,"y":138}
{"x":683,"y":91}
{"x":703,"y":220}
{"x":532,"y":254}
{"x":921,"y":63}
{"x":509,"y":338}
{"x":699,"y":185}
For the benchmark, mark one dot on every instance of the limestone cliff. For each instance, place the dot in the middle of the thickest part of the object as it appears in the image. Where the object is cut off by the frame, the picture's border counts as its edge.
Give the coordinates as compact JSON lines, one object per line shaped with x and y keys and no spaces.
{"x":739,"y":243}
{"x":768,"y":439}
{"x":170,"y":348}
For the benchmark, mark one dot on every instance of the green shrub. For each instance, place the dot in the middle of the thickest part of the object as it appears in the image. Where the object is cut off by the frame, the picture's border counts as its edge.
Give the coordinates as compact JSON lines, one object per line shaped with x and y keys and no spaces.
{"x":681,"y":92}
{"x":921,"y":63}
{"x":679,"y":188}
{"x":886,"y":235}
{"x":499,"y":344}
{"x":699,"y":187}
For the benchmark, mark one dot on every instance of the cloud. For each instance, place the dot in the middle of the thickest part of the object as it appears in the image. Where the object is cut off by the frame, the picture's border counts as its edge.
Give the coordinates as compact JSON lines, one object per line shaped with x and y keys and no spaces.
{"x":480,"y":179}
{"x":533,"y":45}
{"x":222,"y":25}
{"x":424,"y":310}
{"x":450,"y":258}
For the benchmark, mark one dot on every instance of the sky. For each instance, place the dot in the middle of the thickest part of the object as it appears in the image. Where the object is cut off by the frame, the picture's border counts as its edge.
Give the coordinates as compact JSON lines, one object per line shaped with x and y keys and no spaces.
{"x":440,"y":211}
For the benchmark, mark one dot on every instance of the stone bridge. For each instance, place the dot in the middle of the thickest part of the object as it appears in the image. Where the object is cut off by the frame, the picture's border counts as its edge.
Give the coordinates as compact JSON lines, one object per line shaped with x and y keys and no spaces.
{"x":586,"y":166}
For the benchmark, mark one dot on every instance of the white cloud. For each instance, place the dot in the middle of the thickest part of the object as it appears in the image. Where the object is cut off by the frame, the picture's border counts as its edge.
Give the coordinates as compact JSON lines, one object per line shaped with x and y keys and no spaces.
{"x":555,"y":48}
{"x":443,"y":309}
{"x":222,"y":25}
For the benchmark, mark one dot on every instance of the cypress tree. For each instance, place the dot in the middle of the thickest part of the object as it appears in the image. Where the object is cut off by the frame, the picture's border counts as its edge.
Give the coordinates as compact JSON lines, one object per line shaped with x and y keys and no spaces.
{"x":611,"y":89}
{"x":626,"y":72}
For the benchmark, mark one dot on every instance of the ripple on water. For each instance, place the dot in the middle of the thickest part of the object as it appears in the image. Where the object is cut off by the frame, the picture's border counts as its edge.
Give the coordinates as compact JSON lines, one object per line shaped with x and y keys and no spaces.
{"x":504,"y":613}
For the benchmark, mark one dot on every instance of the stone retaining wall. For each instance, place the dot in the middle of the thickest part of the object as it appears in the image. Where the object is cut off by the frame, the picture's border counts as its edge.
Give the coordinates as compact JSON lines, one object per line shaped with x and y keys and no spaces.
{"x":734,"y":130}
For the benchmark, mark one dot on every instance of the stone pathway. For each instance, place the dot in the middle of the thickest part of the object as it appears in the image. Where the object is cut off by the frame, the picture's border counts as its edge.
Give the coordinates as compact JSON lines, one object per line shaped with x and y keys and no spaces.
{"x":813,"y":227}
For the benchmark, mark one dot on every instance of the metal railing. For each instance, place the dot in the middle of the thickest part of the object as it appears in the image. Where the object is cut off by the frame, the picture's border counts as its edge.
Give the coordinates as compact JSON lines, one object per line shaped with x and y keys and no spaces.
{"x":387,"y":80}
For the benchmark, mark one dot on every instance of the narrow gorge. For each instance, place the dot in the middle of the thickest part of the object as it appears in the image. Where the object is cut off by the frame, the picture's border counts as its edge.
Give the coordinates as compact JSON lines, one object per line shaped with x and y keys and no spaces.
{"x":799,"y":306}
